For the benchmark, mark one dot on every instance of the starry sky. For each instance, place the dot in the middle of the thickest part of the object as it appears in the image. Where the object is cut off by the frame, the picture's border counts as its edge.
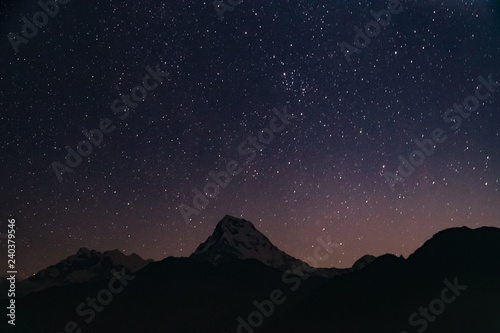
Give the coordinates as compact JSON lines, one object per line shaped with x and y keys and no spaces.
{"x":324,"y":174}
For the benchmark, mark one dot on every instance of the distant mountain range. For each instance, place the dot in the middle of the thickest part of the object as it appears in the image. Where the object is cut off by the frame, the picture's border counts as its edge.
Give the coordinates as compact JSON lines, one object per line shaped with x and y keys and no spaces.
{"x":85,"y":266}
{"x":238,"y":281}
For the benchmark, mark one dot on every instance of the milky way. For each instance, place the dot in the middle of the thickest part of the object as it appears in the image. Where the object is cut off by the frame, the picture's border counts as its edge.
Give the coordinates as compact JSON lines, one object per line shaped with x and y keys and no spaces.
{"x":160,"y":98}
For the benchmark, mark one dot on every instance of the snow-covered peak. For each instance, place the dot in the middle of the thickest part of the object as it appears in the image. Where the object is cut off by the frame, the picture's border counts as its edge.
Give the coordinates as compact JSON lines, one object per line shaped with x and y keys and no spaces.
{"x":242,"y":235}
{"x":233,"y":224}
{"x":84,"y":253}
{"x":238,"y":239}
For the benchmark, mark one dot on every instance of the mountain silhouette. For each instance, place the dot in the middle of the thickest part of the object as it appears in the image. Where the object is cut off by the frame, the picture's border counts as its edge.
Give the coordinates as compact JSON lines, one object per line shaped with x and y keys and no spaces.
{"x":238,"y":239}
{"x":238,"y":281}
{"x":84,"y":266}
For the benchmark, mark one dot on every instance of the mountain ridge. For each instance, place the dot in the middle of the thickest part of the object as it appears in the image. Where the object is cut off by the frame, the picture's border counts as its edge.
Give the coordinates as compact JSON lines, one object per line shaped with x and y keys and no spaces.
{"x":233,"y":239}
{"x":183,"y":295}
{"x":237,"y":239}
{"x":84,"y":266}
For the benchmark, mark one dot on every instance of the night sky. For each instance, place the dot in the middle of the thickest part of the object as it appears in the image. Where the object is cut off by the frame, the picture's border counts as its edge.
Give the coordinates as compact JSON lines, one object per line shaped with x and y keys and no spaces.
{"x":323,"y":172}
